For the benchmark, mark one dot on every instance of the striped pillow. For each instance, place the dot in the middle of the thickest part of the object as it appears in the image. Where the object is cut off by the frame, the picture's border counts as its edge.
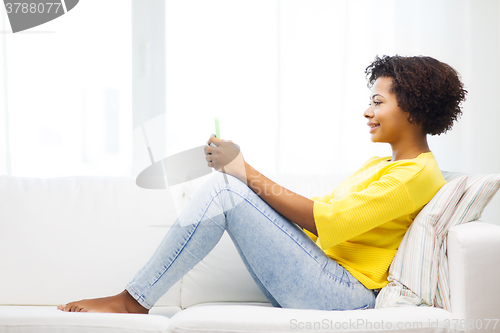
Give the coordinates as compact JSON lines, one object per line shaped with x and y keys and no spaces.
{"x":424,"y":281}
{"x":415,"y":265}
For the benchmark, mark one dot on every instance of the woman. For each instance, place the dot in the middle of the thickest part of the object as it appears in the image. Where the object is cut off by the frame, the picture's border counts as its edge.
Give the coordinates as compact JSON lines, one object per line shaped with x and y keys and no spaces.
{"x":331,"y":252}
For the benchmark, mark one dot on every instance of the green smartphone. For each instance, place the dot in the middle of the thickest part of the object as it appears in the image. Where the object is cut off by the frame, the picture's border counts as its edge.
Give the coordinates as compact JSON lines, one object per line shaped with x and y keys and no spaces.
{"x":217,"y":130}
{"x":217,"y":135}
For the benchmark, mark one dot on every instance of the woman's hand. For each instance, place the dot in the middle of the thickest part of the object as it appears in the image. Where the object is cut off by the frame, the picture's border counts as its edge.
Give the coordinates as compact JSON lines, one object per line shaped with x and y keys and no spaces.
{"x":225,"y":156}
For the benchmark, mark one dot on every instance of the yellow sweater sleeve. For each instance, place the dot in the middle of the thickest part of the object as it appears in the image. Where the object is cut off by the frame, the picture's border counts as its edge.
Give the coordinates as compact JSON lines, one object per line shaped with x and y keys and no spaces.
{"x":381,"y":201}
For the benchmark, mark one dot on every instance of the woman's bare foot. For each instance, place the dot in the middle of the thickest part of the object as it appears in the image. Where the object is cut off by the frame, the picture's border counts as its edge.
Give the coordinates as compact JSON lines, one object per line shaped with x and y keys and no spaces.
{"x":121,"y":303}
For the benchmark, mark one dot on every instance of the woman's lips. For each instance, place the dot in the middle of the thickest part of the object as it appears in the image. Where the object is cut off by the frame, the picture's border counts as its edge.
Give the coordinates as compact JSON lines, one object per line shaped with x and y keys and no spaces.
{"x":374,"y":128}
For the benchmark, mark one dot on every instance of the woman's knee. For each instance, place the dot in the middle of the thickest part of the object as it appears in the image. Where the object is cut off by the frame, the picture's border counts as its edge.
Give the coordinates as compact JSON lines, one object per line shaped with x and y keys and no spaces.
{"x":221,"y":181}
{"x":216,"y":182}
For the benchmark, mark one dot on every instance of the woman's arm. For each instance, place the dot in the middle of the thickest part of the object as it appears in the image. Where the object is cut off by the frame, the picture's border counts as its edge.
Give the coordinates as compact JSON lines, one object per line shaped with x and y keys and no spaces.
{"x":293,"y":206}
{"x":226,"y":157}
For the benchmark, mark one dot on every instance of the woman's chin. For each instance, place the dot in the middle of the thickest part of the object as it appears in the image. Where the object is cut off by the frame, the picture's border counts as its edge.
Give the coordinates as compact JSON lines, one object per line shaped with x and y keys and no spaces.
{"x":376,"y":140}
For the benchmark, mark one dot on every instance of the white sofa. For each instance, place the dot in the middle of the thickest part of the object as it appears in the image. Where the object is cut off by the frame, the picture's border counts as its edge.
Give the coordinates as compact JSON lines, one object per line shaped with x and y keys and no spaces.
{"x":64,"y":239}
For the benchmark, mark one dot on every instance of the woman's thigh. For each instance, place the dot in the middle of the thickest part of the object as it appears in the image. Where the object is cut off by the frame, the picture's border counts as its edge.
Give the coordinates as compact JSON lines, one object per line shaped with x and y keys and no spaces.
{"x":286,"y":262}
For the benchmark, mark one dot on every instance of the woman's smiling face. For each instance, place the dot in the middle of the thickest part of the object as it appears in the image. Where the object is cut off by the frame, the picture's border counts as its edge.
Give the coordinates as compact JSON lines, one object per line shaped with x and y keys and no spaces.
{"x":386,"y":120}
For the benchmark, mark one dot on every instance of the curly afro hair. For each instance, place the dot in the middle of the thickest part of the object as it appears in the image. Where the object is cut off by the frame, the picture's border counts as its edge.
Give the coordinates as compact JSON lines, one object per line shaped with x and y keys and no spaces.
{"x":430,"y":91}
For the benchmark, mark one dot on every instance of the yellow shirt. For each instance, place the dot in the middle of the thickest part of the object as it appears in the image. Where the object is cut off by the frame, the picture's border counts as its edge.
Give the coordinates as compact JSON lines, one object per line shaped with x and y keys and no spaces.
{"x":362,"y":222}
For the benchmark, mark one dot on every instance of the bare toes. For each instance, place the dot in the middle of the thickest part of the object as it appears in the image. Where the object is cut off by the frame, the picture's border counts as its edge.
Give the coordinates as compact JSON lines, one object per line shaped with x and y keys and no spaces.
{"x":69,"y":307}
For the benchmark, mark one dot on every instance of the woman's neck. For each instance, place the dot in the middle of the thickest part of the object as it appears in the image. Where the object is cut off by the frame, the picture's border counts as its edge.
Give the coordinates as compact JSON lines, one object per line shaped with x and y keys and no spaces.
{"x":410,"y":151}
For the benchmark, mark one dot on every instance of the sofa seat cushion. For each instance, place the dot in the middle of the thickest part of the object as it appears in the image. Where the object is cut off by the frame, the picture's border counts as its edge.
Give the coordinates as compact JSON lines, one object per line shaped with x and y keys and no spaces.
{"x":47,"y":319}
{"x":248,"y":317}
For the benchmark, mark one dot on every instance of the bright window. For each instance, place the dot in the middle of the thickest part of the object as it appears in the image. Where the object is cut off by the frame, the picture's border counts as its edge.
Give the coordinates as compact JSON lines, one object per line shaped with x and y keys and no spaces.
{"x":68,"y":89}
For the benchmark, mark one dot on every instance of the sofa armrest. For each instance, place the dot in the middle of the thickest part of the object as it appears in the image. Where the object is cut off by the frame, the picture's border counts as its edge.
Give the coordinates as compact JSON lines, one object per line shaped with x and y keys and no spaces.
{"x":473,"y":258}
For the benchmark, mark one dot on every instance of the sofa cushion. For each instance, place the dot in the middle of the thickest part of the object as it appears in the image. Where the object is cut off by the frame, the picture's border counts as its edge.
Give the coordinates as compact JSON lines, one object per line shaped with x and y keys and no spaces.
{"x":473,"y":253}
{"x":43,"y":319}
{"x":233,"y":317}
{"x":64,"y":239}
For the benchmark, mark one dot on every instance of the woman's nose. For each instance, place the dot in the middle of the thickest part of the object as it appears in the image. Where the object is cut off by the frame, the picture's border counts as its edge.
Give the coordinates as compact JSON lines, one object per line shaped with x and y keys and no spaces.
{"x":368,"y":112}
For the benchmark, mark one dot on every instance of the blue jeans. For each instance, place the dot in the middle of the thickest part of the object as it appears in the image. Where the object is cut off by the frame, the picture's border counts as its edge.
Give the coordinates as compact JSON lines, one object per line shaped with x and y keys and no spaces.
{"x":289,"y":268}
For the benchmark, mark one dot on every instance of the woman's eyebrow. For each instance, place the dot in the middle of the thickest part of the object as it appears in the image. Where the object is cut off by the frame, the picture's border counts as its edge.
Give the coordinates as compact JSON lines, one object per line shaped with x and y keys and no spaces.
{"x":376,"y":95}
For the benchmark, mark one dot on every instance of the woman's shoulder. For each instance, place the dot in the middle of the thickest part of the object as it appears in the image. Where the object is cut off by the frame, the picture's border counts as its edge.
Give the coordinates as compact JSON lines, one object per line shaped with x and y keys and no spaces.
{"x":420,"y":171}
{"x":375,"y":160}
{"x":422,"y":166}
{"x":422,"y":159}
